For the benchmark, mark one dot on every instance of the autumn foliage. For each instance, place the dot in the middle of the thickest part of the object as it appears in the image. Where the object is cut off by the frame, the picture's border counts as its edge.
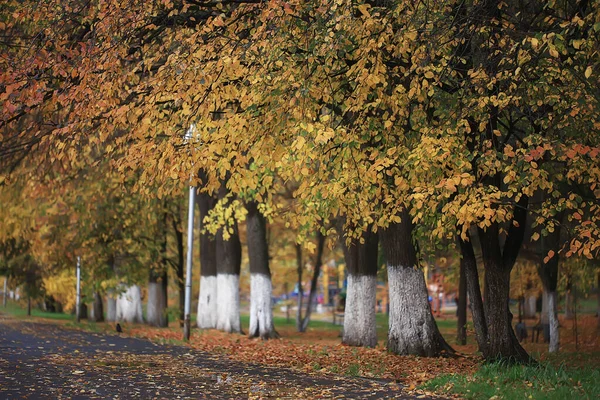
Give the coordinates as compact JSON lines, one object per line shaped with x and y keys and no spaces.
{"x":481,"y":119}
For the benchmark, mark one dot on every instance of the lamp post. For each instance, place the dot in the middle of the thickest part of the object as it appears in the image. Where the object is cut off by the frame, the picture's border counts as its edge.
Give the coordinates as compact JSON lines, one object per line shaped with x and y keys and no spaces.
{"x":190,"y":253}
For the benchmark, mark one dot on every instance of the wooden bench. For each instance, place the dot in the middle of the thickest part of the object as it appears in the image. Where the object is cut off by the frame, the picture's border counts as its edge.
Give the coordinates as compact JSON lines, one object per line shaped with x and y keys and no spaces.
{"x":535,"y":332}
{"x":338,"y":318}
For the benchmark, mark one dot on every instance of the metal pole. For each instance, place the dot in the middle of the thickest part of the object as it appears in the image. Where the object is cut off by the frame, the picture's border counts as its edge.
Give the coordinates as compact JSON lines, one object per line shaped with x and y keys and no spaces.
{"x":188,"y":268}
{"x":4,"y":293}
{"x":78,"y":299}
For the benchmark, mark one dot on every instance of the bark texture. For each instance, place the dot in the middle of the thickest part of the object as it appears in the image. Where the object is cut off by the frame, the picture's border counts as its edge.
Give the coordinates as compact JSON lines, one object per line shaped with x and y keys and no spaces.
{"x":359,"y":314}
{"x":229,"y":258}
{"x":129,"y":305}
{"x":412,"y":329}
{"x":553,"y":321}
{"x":207,"y":298}
{"x":492,"y":319}
{"x":97,"y":308}
{"x":548,"y":271}
{"x":180,"y":266}
{"x":156,"y":308}
{"x":261,"y":290}
{"x":228,"y":303}
{"x":111,"y":308}
{"x":261,"y":314}
{"x":207,"y":303}
{"x":299,"y":270}
{"x":461,"y":312}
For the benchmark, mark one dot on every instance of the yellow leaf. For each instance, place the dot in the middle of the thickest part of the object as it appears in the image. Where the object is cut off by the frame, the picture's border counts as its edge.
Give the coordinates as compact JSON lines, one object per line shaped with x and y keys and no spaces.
{"x":300,"y":142}
{"x":588,"y":72}
{"x":534,"y":42}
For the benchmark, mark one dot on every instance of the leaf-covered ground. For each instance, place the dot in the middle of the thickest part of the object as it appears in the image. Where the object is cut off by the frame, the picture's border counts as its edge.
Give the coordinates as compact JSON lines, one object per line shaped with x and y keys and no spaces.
{"x":316,"y":361}
{"x":49,"y":360}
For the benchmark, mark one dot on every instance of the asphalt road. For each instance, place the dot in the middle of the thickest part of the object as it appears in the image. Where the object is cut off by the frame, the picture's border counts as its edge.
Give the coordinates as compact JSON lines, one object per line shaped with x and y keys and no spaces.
{"x":41,"y":360}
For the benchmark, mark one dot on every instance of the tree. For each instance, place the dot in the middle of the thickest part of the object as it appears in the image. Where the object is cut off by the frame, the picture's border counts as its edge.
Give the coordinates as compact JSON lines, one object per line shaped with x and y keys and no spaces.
{"x":261,"y":290}
{"x":412,"y":328}
{"x":360,"y":328}
{"x":207,"y":301}
{"x":303,"y":321}
{"x":229,"y":258}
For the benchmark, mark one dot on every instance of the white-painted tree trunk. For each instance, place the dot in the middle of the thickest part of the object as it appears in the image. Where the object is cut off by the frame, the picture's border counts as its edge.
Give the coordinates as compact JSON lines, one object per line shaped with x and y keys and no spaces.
{"x":111,"y":309}
{"x":261,"y":310}
{"x":157,"y":305}
{"x":129,"y":305}
{"x":412,"y":329}
{"x":360,"y":328}
{"x":529,"y":306}
{"x":544,"y":316}
{"x":553,"y":321}
{"x":228,"y":303}
{"x":207,"y":303}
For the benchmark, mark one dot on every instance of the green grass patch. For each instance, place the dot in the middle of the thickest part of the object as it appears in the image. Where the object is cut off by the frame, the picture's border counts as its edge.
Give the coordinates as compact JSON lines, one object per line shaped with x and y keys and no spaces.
{"x":20,"y":311}
{"x":503,"y":381}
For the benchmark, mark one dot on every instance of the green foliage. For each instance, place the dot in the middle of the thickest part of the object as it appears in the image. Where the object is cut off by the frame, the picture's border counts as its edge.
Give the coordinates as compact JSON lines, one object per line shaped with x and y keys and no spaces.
{"x":501,"y":381}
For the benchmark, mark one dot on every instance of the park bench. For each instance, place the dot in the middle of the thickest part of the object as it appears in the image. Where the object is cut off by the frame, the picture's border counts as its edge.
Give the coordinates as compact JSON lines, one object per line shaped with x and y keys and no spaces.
{"x":338,"y":318}
{"x":536,"y":329}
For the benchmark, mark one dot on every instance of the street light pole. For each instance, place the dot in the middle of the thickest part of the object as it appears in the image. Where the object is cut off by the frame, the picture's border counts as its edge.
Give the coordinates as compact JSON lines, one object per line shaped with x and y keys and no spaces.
{"x":78,"y":299}
{"x":188,"y":271}
{"x":190,"y":253}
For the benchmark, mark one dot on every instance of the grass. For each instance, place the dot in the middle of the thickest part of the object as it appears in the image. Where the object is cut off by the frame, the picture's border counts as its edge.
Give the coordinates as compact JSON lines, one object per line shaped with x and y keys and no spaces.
{"x":500,"y":381}
{"x":18,"y":310}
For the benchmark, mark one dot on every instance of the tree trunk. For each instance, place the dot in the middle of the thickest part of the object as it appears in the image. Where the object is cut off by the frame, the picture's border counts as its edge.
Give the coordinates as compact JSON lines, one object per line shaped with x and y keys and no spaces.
{"x":553,"y":321}
{"x":359,"y":316}
{"x":474,"y":293}
{"x":529,"y":307}
{"x":261,"y":289}
{"x":207,"y":298}
{"x":544,"y":314}
{"x":502,"y":341}
{"x":156,"y":310}
{"x":28,"y":305}
{"x":412,"y":329}
{"x":229,"y":258}
{"x":548,"y":271}
{"x":300,"y":268}
{"x":97,"y":308}
{"x":180,"y":267}
{"x":314,"y":281}
{"x":111,"y":308}
{"x":129,"y":305}
{"x":461,"y":312}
